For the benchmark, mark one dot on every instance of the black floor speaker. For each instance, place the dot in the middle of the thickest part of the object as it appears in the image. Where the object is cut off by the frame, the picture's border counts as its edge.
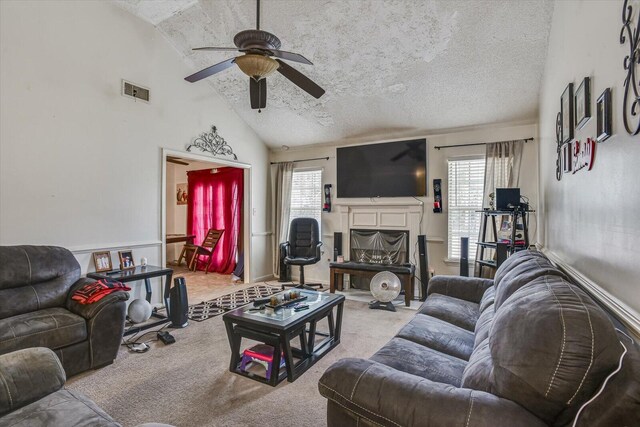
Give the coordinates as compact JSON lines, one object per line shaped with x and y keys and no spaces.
{"x":464,"y":256}
{"x":423,"y":261}
{"x":285,"y":269}
{"x":337,"y":245}
{"x":178,"y":303}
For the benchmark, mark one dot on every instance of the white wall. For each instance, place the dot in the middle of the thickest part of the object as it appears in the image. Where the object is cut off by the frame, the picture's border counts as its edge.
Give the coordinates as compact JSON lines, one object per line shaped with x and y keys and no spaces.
{"x":433,"y":225}
{"x":591,"y":218}
{"x":80,"y":165}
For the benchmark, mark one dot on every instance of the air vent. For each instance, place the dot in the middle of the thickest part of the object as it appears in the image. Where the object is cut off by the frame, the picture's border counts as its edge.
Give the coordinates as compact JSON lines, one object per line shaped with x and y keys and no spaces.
{"x":134,"y":91}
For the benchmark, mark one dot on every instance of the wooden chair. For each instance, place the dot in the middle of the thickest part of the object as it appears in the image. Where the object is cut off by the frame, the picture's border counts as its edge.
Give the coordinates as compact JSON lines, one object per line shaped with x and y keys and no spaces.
{"x":207,"y":248}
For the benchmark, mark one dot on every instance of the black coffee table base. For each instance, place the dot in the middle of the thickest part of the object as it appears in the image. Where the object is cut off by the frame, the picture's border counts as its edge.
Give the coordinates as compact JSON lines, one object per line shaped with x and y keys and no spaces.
{"x":308,"y":353}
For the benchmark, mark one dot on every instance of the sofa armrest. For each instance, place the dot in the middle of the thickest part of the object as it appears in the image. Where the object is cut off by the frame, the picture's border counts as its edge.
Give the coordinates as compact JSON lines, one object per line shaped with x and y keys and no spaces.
{"x":385,"y":396}
{"x":88,"y":311}
{"x":466,"y":288}
{"x":28,"y":375}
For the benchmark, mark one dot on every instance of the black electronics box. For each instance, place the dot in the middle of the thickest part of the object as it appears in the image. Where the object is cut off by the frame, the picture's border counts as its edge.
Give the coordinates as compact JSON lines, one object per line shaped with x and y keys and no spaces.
{"x":507,"y":198}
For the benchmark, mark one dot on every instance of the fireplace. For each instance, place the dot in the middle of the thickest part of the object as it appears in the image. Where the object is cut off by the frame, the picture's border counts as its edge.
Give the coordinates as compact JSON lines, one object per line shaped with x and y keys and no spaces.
{"x":377,"y":247}
{"x":384,"y":215}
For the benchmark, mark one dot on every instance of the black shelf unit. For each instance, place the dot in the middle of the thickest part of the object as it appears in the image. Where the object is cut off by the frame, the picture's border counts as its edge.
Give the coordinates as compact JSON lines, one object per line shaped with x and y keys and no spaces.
{"x":503,"y":249}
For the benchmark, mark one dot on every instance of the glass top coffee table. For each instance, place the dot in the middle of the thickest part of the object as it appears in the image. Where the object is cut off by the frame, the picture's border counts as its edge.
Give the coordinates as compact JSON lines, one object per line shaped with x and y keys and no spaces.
{"x":278,"y":328}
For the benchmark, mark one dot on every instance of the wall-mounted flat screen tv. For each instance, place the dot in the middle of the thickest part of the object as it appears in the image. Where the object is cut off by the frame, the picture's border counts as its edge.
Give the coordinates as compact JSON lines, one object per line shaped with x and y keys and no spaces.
{"x":389,"y":169}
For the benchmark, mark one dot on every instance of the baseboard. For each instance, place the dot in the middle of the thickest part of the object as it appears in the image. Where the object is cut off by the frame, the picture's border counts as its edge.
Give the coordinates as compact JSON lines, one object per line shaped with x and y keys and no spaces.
{"x":264,"y":278}
{"x":628,"y":316}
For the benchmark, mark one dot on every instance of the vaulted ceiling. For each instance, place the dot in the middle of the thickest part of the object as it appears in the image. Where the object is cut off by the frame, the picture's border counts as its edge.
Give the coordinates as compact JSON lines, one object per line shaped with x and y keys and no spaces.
{"x":392,"y":68}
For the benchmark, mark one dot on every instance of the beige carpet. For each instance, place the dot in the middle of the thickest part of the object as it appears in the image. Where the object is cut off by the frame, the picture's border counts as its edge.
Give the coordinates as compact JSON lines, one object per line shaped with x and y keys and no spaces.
{"x":188,"y":383}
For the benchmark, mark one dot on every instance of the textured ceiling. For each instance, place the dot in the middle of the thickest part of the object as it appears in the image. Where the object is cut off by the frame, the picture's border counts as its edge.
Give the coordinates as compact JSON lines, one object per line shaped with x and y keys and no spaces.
{"x":390,"y":68}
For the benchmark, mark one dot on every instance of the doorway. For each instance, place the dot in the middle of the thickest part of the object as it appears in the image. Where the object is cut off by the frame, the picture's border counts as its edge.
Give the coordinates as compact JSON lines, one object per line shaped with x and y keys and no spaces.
{"x":179,"y":227}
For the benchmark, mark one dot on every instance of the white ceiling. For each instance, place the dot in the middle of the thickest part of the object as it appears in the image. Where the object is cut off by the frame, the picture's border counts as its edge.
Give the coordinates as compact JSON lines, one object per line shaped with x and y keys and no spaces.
{"x":390,"y":68}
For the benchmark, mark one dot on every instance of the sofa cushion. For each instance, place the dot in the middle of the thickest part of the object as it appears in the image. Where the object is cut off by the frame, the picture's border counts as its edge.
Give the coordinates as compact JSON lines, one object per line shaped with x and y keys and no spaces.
{"x":483,"y":326}
{"x":438,"y":335}
{"x":35,"y":277}
{"x":551,"y":347}
{"x":453,"y":310}
{"x":478,"y":374}
{"x":488,"y":298}
{"x":62,"y":408}
{"x":529,"y":268}
{"x":52,"y":328}
{"x":412,"y":358}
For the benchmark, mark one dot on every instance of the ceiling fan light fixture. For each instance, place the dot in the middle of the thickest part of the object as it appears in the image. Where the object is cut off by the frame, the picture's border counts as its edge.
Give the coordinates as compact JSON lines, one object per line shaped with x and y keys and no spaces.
{"x":256,"y":66}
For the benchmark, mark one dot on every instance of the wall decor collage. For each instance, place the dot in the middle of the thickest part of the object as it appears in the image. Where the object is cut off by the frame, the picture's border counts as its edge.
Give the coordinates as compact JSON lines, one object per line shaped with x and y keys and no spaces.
{"x":575,"y":107}
{"x":575,"y":112}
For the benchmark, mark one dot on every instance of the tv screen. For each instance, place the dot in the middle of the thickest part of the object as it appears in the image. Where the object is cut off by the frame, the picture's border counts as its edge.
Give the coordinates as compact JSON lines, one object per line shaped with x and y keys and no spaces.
{"x":390,"y":169}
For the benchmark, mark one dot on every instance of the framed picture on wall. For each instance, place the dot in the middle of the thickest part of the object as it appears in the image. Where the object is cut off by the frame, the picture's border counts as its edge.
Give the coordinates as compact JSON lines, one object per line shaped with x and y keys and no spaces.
{"x":181,"y":194}
{"x":126,"y":260}
{"x":102,"y":261}
{"x":583,"y":103}
{"x":566,"y":110}
{"x":603,"y":115}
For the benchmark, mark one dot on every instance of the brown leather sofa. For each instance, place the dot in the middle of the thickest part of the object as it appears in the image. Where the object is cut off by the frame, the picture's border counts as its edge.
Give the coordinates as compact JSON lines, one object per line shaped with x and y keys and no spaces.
{"x":528,"y":348}
{"x":36,"y":309}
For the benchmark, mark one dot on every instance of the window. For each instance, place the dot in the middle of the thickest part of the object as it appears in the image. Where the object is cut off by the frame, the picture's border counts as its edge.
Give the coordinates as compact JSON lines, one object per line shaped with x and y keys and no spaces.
{"x":306,"y":194}
{"x":466,"y":187}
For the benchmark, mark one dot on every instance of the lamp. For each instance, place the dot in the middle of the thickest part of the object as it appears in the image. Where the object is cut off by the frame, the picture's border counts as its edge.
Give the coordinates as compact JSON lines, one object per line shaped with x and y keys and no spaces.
{"x":256,"y":66}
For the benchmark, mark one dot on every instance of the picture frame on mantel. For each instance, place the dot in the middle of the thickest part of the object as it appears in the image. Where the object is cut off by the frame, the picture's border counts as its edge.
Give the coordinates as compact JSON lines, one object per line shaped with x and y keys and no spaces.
{"x":566,"y":112}
{"x":603,"y":116}
{"x":583,"y":103}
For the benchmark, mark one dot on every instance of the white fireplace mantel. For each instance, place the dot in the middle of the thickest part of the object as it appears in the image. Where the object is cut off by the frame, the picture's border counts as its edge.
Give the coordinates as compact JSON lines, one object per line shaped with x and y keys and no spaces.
{"x":387,"y":215}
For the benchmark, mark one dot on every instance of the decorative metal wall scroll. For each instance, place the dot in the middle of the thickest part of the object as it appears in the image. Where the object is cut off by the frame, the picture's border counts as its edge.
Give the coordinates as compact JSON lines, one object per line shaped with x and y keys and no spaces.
{"x":212,"y":143}
{"x":631,"y":100}
{"x":559,"y":146}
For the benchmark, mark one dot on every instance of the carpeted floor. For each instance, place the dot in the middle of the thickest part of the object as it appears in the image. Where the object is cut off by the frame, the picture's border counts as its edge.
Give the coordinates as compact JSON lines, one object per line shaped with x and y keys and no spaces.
{"x":188,"y":383}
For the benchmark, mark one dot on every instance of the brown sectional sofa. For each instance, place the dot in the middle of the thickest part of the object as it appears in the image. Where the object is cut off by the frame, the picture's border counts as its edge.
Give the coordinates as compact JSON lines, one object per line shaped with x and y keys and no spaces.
{"x":528,"y":348}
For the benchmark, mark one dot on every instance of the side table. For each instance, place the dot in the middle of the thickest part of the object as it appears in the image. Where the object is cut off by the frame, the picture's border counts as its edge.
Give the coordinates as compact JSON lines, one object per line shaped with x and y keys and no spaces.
{"x":145,"y":273}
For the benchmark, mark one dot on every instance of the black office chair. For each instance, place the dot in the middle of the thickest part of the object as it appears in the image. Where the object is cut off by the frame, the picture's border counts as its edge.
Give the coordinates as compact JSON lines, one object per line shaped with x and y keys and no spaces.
{"x":303,"y":248}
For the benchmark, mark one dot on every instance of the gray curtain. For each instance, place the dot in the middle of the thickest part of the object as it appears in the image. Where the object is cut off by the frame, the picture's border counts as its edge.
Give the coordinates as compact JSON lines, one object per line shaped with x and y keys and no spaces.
{"x":281,"y":178}
{"x":501,"y":170}
{"x":502,"y":167}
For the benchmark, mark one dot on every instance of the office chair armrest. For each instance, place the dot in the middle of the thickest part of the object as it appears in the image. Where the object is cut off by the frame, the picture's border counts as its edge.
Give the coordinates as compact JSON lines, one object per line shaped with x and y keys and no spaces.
{"x":318,"y":252}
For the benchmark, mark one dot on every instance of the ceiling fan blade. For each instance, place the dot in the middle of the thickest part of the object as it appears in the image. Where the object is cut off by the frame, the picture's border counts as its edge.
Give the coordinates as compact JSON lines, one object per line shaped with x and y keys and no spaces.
{"x":209,"y":71}
{"x":290,"y":56}
{"x":215,"y":48}
{"x":300,"y":80}
{"x":258,"y":93}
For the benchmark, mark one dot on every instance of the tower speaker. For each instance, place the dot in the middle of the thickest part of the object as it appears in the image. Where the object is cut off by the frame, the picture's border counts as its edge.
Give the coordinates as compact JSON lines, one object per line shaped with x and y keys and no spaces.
{"x":337,"y":245}
{"x":423,"y":260}
{"x":464,"y":256}
{"x":285,"y":269}
{"x":178,"y":303}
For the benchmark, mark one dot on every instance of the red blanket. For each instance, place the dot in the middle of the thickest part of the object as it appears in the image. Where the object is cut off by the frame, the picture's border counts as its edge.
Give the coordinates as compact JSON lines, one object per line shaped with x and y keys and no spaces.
{"x":92,"y":292}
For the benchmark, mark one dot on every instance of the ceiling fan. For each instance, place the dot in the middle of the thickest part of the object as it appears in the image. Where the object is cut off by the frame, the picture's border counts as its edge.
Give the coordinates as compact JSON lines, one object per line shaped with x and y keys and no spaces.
{"x":258,"y":48}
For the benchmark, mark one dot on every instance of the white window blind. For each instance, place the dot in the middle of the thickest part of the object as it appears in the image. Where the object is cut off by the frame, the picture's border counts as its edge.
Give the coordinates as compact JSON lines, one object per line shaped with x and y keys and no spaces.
{"x":306,"y":194}
{"x":466,"y":186}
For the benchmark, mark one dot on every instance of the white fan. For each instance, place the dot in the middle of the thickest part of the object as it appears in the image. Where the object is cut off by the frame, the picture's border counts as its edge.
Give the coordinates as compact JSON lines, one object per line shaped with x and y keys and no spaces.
{"x":385,"y":287}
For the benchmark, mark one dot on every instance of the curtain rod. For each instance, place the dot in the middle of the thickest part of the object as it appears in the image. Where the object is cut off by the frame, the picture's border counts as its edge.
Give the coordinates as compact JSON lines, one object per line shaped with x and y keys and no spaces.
{"x":437,"y":147}
{"x":302,"y":160}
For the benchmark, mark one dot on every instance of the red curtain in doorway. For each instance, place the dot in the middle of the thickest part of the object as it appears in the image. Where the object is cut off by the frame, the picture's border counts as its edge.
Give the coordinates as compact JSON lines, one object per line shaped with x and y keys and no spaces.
{"x":215,"y":201}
